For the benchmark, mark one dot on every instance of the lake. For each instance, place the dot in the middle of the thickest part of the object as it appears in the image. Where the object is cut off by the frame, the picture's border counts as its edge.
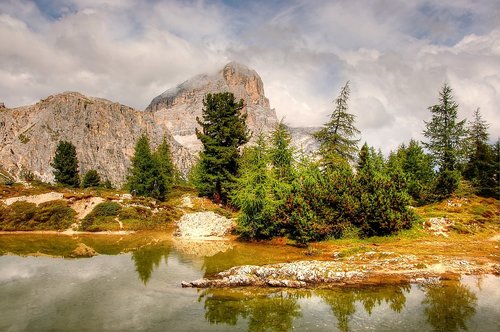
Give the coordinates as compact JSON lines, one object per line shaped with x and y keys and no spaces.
{"x":134,"y":285}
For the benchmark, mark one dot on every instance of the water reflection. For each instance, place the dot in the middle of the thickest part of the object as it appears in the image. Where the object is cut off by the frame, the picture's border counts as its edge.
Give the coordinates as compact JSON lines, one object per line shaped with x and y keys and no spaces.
{"x":148,"y":258}
{"x":342,"y":302}
{"x":448,"y":306}
{"x":275,"y":311}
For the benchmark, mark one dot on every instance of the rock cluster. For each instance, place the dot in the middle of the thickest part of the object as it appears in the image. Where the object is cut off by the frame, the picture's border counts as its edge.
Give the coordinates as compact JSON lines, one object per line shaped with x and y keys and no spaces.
{"x":363,"y":268}
{"x":204,"y":225}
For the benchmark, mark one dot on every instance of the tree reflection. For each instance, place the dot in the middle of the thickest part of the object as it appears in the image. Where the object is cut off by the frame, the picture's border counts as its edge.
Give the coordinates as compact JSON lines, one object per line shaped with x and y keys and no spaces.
{"x":342,"y":302}
{"x":448,"y":306}
{"x":264,"y":311}
{"x":147,"y":259}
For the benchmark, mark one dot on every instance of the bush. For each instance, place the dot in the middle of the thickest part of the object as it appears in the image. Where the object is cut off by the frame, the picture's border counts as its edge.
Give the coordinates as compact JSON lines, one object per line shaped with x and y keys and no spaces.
{"x":91,"y":179}
{"x":141,"y":218}
{"x":447,"y":182}
{"x":54,"y":215}
{"x":102,"y":217}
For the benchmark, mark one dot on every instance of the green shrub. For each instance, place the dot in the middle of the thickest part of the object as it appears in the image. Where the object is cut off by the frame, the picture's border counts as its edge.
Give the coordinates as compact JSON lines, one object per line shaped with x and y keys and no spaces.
{"x":24,"y":216}
{"x":91,"y":179}
{"x":102,"y":217}
{"x":54,"y":215}
{"x":105,"y":209}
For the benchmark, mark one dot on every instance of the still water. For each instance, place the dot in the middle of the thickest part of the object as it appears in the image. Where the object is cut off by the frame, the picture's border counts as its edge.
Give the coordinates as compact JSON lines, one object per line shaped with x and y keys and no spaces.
{"x":134,"y":285}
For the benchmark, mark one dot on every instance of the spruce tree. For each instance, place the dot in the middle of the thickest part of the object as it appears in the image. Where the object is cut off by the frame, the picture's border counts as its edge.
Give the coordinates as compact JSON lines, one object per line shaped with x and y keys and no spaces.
{"x":253,"y":194}
{"x":281,"y":152}
{"x":362,"y":156}
{"x":223,"y":132}
{"x":445,"y":136}
{"x":417,"y":167}
{"x":496,"y":167}
{"x":166,"y":167}
{"x":65,"y":164}
{"x":480,"y":168}
{"x":145,"y":178}
{"x":337,"y":138}
{"x":444,"y":132}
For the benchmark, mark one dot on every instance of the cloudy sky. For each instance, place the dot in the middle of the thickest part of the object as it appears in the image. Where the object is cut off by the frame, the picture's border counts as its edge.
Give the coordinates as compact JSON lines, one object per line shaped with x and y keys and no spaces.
{"x":396,"y":54}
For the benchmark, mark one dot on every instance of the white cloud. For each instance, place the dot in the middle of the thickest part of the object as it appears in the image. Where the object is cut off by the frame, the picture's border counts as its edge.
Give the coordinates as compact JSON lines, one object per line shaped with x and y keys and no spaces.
{"x":397,"y":55}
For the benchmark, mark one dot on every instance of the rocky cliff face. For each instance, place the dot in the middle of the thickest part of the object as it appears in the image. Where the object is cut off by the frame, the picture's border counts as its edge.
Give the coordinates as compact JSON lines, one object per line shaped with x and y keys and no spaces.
{"x":104,"y":134}
{"x":178,"y":108}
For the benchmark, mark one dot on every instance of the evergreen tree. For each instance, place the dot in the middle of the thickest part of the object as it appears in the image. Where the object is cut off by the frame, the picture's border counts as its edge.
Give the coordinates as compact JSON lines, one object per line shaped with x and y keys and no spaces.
{"x":362,"y":156}
{"x":496,"y":167}
{"x":253,"y":194}
{"x":166,"y":167}
{"x":445,"y":133}
{"x":337,"y":137}
{"x":480,"y":167}
{"x":65,"y":164}
{"x":145,"y":178}
{"x":281,"y":152}
{"x":223,"y":132}
{"x":91,"y":179}
{"x":382,"y":199}
{"x":416,"y":166}
{"x":445,"y":136}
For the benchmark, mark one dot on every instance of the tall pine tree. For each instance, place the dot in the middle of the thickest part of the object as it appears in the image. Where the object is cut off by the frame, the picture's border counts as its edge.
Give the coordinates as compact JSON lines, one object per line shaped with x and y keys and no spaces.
{"x":445,"y":136}
{"x":480,"y":167}
{"x":337,"y":138}
{"x":163,"y":158}
{"x":145,"y":178}
{"x":253,"y":193}
{"x":281,"y":152}
{"x":223,"y":132}
{"x":444,"y":132}
{"x":65,"y":164}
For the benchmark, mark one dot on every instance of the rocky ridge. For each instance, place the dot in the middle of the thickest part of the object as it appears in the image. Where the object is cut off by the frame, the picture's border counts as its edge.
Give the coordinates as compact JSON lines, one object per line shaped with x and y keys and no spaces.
{"x":105,"y":132}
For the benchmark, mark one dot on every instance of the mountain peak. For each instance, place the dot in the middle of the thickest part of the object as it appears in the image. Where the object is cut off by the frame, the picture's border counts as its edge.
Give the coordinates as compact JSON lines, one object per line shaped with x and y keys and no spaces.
{"x":178,"y":107}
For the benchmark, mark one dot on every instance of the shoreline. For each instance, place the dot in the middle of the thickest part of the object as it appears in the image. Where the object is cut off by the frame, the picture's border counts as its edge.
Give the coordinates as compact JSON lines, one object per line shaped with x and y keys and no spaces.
{"x":66,"y":232}
{"x":390,"y":269}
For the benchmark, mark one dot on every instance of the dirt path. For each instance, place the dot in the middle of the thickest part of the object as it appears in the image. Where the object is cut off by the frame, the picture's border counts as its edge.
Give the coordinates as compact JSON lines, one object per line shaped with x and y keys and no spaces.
{"x":37,"y":199}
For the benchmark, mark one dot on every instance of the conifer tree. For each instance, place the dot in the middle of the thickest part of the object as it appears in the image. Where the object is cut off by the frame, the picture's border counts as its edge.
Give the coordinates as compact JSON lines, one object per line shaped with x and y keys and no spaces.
{"x":382,"y":199}
{"x":281,"y":152}
{"x":223,"y":132}
{"x":480,"y":167}
{"x":496,"y":167}
{"x":362,"y":156}
{"x":445,"y":136}
{"x":253,"y":194}
{"x":166,"y":167}
{"x":444,"y":132}
{"x":65,"y":164}
{"x":336,"y":139}
{"x":145,"y":178}
{"x":91,"y":179}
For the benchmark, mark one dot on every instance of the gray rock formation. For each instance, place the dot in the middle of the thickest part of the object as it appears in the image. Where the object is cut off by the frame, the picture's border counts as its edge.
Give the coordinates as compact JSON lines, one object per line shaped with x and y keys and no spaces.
{"x":104,"y":134}
{"x":302,"y":139}
{"x":178,"y":108}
